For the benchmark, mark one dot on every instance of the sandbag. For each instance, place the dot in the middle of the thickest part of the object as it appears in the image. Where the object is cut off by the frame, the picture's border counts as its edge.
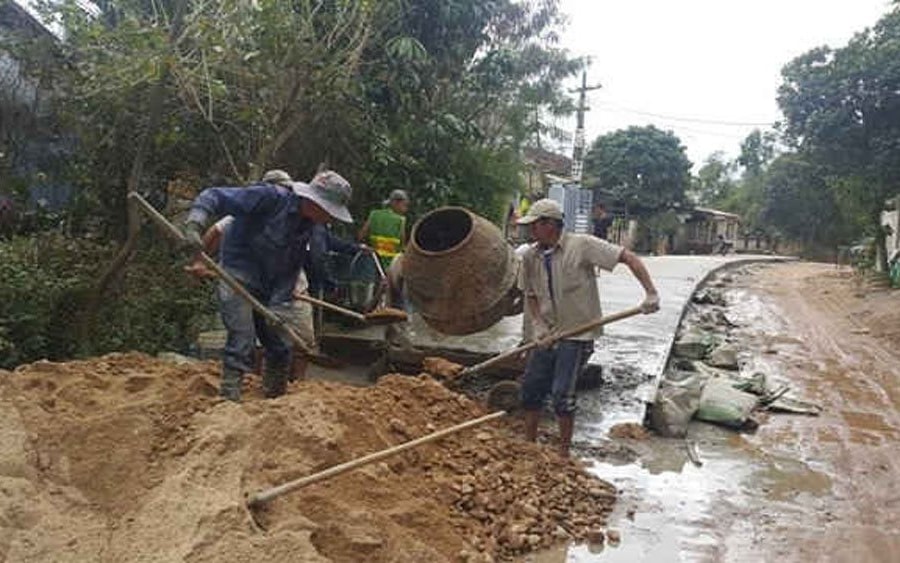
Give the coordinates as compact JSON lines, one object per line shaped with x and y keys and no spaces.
{"x":675,"y":404}
{"x":721,"y":403}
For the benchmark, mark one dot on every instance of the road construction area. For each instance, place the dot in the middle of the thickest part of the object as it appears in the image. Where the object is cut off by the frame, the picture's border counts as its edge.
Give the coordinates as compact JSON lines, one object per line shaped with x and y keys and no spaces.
{"x":128,"y":457}
{"x":800,"y":487}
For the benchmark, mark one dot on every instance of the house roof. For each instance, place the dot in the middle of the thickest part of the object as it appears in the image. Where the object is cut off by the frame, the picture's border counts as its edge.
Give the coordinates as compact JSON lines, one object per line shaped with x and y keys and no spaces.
{"x":547,"y":161}
{"x":717,"y":213}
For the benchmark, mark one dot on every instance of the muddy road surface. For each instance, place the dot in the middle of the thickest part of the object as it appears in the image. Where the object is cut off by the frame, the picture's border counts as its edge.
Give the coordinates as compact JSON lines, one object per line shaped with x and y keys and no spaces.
{"x":801,"y":488}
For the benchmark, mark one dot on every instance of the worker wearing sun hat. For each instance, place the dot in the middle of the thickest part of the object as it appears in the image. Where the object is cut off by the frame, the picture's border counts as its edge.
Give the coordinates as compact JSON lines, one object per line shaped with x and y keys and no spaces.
{"x":265,"y":250}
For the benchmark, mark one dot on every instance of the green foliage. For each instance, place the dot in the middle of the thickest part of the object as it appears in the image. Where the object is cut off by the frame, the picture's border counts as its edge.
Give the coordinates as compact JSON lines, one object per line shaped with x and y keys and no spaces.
{"x":757,"y":151}
{"x":739,"y":186}
{"x":47,"y":279}
{"x":800,"y":202}
{"x":641,"y":167}
{"x":715,"y":181}
{"x":842,"y":109}
{"x":433,"y":96}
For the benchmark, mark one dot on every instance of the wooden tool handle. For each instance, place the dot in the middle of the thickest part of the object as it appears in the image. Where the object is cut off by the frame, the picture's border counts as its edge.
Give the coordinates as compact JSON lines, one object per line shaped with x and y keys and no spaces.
{"x":574,"y":331}
{"x":332,"y":306}
{"x":269,"y":494}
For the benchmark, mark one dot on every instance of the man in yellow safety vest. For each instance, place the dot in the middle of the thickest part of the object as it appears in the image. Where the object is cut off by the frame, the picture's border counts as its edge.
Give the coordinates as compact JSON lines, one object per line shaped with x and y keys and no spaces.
{"x":385,"y":229}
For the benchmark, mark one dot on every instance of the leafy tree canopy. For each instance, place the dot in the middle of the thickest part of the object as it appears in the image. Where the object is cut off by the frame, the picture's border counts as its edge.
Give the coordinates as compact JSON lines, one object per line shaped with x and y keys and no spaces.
{"x":642,"y":167}
{"x":715,"y":180}
{"x":842,"y":108}
{"x":434,"y":96}
{"x":800,"y":204}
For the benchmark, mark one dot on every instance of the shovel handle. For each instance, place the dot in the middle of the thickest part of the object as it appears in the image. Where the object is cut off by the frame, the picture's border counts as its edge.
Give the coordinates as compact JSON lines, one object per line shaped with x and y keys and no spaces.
{"x":265,"y":496}
{"x":223,"y":275}
{"x":326,"y":305}
{"x":574,"y":331}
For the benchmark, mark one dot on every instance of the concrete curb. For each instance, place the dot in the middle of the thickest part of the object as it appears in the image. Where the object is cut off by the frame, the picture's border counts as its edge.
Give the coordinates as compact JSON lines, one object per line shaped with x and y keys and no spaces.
{"x":648,"y":393}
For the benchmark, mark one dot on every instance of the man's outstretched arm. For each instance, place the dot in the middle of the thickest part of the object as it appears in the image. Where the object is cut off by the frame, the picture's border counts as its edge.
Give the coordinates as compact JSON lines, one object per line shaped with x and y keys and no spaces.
{"x":639,"y":270}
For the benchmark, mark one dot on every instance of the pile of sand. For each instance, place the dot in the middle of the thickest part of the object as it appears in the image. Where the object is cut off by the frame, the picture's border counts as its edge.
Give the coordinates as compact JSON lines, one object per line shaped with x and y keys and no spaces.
{"x":129,"y":458}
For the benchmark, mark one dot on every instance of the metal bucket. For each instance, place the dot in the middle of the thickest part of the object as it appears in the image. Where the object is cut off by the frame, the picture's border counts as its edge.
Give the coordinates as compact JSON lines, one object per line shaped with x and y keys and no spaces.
{"x":460,"y":273}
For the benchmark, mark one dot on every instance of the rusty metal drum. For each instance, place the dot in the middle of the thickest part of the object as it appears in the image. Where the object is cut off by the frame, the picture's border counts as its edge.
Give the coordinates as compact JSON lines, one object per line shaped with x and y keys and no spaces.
{"x":460,"y":273}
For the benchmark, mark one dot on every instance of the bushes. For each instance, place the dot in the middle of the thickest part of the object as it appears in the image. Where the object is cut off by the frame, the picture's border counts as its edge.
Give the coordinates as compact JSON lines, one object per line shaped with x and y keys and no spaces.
{"x":45,"y":285}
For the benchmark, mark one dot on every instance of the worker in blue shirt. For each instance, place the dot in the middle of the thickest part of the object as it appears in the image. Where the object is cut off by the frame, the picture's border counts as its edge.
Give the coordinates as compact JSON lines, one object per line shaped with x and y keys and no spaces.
{"x":265,"y":248}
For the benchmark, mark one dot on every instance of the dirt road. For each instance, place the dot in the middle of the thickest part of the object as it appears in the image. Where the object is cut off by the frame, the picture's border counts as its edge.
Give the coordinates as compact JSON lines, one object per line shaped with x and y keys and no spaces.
{"x":846,"y":357}
{"x":801,"y":488}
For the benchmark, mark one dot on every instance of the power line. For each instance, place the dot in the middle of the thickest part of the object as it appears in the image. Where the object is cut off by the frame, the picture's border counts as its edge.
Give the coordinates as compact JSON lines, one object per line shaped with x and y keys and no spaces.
{"x":687,"y":119}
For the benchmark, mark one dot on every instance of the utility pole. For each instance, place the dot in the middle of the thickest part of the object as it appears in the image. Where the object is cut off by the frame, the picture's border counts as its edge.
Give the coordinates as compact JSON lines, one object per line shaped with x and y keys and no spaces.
{"x":578,"y":147}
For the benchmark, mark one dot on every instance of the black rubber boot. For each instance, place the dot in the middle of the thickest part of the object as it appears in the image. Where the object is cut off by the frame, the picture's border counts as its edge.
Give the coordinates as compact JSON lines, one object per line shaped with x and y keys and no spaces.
{"x":274,"y":381}
{"x":230,"y":388}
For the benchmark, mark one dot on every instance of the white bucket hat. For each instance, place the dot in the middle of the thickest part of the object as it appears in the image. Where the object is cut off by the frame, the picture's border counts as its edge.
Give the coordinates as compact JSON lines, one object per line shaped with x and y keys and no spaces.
{"x":330,"y":191}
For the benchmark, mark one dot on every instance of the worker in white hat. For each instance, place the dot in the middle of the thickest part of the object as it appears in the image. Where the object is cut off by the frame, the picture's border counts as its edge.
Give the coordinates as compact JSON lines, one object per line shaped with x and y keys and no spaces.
{"x":561,"y":292}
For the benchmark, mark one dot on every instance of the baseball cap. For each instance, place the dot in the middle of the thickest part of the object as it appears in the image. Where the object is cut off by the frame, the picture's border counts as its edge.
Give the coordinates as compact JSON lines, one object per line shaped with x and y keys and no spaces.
{"x":397,"y":195}
{"x":542,"y":209}
{"x":330,"y":191}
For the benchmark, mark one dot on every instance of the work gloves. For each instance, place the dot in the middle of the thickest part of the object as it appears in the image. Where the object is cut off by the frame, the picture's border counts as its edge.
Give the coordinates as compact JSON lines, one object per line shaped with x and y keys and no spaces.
{"x":650,"y":304}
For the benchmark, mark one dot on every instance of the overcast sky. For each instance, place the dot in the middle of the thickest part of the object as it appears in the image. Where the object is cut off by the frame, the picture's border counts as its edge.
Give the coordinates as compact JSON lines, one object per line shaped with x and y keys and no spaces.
{"x":699,"y":62}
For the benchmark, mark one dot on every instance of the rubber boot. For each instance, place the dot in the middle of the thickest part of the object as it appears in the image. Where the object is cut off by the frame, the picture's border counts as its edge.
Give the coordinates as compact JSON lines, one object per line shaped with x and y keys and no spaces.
{"x":274,"y":381}
{"x":230,"y":387}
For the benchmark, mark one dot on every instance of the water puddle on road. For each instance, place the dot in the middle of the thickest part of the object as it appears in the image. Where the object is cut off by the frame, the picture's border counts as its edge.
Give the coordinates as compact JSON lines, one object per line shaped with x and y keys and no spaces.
{"x":673,"y":510}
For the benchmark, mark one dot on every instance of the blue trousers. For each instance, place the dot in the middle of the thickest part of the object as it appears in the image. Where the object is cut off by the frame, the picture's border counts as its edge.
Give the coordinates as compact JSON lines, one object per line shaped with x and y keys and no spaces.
{"x":554,"y":371}
{"x":244,"y":326}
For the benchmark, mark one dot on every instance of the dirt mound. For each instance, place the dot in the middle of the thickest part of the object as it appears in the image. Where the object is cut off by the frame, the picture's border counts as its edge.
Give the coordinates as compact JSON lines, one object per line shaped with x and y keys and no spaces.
{"x":131,"y":458}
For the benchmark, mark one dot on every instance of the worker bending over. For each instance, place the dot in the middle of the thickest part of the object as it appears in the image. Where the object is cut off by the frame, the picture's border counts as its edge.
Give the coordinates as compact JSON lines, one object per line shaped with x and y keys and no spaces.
{"x":264,"y":249}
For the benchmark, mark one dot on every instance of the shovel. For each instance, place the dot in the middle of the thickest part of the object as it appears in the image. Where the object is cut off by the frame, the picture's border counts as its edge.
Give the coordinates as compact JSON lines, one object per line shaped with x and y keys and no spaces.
{"x":382,"y":316}
{"x":227,"y":278}
{"x":505,"y":394}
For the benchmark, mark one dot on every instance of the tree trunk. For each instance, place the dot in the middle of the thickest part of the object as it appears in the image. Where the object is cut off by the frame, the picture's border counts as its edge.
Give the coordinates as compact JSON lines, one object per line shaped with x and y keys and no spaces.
{"x":154,"y":110}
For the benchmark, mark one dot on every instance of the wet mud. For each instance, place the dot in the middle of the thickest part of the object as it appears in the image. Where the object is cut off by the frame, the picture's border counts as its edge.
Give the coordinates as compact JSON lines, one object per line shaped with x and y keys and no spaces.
{"x":800,"y":488}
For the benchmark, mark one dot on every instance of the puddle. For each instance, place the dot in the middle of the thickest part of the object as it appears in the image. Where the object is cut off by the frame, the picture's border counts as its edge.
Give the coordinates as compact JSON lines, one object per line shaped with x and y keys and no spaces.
{"x":673,"y":510}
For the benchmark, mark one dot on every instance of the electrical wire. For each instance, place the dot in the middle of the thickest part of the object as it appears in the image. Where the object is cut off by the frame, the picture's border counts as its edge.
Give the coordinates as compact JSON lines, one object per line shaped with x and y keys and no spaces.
{"x":685,"y":119}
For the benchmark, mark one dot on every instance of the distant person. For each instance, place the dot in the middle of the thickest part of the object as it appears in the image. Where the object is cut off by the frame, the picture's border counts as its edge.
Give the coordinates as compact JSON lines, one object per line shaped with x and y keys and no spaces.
{"x":602,"y":221}
{"x":524,"y":205}
{"x":723,"y":247}
{"x":385,"y":229}
{"x":264,"y":248}
{"x":560,"y":289}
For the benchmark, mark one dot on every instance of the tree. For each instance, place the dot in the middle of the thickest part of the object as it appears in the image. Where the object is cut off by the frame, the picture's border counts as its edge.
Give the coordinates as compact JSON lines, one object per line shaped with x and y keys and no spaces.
{"x":455,"y":98}
{"x":757,"y":150}
{"x":434,"y":96}
{"x":800,"y":203}
{"x":842,"y":109}
{"x":715,"y":181}
{"x":642,"y":167}
{"x":748,"y":199}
